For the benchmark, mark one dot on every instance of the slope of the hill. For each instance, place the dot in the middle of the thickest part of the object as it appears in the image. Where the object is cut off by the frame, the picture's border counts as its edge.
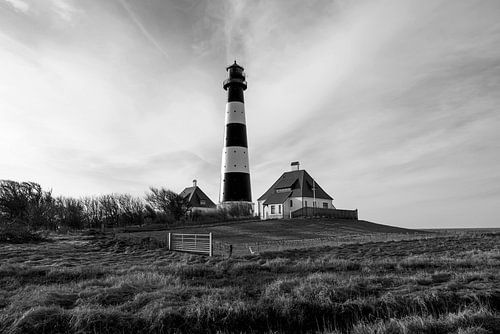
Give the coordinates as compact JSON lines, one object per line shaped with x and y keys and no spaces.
{"x":287,"y":229}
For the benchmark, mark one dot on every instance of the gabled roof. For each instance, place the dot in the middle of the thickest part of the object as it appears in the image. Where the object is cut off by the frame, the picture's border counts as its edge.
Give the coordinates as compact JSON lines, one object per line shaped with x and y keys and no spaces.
{"x":298,"y":182}
{"x":278,"y":198}
{"x":195,"y":195}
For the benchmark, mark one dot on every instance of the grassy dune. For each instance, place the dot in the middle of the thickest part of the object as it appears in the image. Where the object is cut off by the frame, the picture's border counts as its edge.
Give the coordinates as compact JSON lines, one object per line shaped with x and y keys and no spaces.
{"x":272,"y":235}
{"x":76,"y":284}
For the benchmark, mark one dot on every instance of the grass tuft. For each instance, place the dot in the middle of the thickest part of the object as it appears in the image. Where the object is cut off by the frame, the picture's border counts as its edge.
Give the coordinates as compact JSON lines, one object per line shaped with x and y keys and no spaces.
{"x":90,"y":319}
{"x":42,"y":319}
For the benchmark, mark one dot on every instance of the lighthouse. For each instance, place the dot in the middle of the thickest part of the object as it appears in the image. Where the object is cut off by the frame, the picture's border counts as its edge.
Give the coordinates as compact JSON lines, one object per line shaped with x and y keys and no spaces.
{"x":235,"y":169}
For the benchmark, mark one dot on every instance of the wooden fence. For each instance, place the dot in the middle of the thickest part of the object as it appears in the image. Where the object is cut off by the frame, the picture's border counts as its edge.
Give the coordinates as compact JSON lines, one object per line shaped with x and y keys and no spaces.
{"x":320,"y":212}
{"x":193,"y":243}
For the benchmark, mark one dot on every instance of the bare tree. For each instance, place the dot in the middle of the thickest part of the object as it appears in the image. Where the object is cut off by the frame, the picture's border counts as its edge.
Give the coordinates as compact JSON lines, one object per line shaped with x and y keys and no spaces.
{"x":93,"y":211}
{"x":70,"y":212}
{"x":110,"y":209}
{"x":26,"y":202}
{"x":168,"y":202}
{"x":131,"y":209}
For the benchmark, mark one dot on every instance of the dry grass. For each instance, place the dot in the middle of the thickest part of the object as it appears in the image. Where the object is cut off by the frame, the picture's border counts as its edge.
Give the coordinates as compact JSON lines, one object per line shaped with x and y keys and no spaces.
{"x":76,"y":284}
{"x":278,"y":235}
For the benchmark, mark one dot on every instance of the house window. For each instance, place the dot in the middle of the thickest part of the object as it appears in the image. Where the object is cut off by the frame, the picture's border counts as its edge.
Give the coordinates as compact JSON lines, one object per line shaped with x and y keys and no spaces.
{"x":325,"y":205}
{"x":279,"y":209}
{"x":305,"y":204}
{"x":203,"y":202}
{"x":272,"y":209}
{"x":291,"y":203}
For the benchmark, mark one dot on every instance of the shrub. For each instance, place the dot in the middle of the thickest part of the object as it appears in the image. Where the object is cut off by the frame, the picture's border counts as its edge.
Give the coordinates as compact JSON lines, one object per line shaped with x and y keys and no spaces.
{"x":168,"y":202}
{"x":18,"y":233}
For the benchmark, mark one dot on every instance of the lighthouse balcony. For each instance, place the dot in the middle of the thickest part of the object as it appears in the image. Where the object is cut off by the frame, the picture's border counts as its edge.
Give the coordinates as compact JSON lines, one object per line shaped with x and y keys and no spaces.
{"x":235,"y":81}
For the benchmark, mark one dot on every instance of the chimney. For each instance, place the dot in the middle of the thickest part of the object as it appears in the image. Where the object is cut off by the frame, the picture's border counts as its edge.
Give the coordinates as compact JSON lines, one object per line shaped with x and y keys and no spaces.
{"x":295,"y":165}
{"x":194,"y":183}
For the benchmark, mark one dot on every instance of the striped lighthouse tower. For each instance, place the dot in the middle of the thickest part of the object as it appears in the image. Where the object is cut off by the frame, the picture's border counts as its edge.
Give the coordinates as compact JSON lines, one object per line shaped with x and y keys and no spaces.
{"x":235,"y":171}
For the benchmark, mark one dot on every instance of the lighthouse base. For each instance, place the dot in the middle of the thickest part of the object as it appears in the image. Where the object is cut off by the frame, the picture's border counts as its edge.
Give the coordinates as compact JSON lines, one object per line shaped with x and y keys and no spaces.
{"x":237,"y":209}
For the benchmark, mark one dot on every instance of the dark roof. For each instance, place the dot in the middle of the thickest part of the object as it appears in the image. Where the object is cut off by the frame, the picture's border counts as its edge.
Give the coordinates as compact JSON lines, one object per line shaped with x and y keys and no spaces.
{"x":278,"y":198}
{"x":195,"y":195}
{"x":234,"y":65}
{"x":300,"y":184}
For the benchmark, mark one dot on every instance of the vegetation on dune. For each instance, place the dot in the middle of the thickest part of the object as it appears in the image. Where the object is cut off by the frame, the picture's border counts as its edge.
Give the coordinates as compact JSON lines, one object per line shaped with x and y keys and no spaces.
{"x":470,"y":321}
{"x":120,"y":288}
{"x":168,"y":202}
{"x":26,"y":208}
{"x":19,"y":233}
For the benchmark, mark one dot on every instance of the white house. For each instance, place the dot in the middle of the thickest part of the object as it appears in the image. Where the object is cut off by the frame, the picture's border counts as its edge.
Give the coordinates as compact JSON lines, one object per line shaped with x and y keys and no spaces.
{"x":294,"y":190}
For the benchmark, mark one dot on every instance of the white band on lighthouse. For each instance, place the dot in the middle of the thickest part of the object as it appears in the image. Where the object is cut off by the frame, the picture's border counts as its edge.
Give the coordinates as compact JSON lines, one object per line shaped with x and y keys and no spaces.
{"x":235,"y":159}
{"x":235,"y":112}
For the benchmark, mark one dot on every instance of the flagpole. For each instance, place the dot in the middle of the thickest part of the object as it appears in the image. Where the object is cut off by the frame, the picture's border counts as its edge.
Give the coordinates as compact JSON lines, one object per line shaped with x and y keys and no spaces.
{"x":314,"y":196}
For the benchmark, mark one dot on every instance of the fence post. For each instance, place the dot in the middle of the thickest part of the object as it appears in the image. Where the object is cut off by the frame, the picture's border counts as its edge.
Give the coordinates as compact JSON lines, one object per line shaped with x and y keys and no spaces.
{"x":169,"y":241}
{"x":210,"y":249}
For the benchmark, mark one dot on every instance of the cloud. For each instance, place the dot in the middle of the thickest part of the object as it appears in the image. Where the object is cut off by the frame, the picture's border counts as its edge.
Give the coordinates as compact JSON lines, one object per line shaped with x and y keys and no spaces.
{"x":391,"y":106}
{"x":173,"y":170}
{"x":18,"y":5}
{"x":142,"y":28}
{"x":64,"y":9}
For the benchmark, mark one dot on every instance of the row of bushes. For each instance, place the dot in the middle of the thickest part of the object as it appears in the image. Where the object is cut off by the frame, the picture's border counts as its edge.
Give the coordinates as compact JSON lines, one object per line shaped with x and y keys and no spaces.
{"x":28,"y":205}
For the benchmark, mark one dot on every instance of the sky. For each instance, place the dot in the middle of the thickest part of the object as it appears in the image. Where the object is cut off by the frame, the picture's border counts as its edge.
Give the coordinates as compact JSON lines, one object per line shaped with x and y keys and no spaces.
{"x":391,"y":106}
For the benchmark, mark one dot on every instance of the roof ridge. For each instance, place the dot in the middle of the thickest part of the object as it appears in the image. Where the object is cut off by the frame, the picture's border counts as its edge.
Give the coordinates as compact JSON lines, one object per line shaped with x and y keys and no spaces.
{"x":192,"y":193}
{"x":302,"y":176}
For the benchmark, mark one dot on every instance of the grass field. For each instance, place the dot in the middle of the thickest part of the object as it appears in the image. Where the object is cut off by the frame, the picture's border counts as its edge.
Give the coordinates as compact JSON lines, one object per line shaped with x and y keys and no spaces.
{"x":82,"y":284}
{"x":276,"y":235}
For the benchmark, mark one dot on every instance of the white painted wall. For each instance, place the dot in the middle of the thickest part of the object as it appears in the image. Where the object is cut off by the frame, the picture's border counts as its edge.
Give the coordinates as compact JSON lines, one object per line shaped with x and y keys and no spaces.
{"x":296,"y":203}
{"x":204,"y":210}
{"x":265,"y":211}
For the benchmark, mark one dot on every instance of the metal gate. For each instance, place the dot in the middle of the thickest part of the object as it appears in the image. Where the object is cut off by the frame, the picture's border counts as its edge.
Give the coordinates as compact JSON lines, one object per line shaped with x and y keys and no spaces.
{"x":193,"y":243}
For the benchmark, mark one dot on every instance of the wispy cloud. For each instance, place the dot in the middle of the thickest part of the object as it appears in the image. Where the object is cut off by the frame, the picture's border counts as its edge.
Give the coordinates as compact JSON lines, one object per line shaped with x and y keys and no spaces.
{"x":18,"y":5}
{"x":64,"y":8}
{"x":142,"y":28}
{"x":391,"y":106}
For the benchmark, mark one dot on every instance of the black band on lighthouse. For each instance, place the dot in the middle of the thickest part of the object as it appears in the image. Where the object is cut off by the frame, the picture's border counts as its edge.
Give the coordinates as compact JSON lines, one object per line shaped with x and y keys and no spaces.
{"x":236,"y":135}
{"x":235,"y":93}
{"x":241,"y":192}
